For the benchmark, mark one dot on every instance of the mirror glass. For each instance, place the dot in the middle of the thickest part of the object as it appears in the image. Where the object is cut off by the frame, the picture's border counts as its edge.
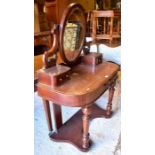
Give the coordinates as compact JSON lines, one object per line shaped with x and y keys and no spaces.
{"x":74,"y":32}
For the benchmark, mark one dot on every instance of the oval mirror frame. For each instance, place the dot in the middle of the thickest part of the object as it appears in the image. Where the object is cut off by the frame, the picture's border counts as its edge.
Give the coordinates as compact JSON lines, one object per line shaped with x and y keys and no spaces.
{"x":67,"y":13}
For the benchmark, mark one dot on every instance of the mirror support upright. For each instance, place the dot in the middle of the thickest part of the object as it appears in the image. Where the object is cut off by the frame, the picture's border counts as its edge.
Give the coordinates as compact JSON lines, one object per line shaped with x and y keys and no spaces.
{"x":54,"y":49}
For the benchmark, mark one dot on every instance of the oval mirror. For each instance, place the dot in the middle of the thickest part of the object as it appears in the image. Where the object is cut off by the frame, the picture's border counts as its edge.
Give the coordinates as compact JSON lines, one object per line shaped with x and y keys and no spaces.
{"x":72,"y":33}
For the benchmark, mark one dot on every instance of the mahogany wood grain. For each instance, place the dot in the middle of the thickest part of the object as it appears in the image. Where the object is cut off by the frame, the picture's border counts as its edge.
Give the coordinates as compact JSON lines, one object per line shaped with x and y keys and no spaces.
{"x":86,"y":115}
{"x":48,"y":114}
{"x":54,"y":76}
{"x":72,"y":130}
{"x":92,"y":58}
{"x":111,"y":93}
{"x":86,"y":84}
{"x":57,"y":115}
{"x":53,"y":49}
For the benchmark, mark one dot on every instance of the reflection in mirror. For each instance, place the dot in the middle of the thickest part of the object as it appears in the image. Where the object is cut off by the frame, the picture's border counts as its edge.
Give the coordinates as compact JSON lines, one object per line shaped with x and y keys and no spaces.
{"x":73,"y":34}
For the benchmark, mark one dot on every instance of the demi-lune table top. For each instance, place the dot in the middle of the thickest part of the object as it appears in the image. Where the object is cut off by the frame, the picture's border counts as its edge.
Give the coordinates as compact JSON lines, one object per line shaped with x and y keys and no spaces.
{"x":84,"y":86}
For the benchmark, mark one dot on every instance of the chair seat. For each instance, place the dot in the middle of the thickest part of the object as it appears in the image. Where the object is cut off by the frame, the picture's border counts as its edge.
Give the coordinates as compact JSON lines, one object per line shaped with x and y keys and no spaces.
{"x":103,"y":36}
{"x":107,"y":36}
{"x":116,"y":35}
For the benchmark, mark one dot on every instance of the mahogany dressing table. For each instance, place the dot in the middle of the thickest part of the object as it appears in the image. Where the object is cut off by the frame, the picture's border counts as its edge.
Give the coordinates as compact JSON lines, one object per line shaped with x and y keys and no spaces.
{"x":79,"y":82}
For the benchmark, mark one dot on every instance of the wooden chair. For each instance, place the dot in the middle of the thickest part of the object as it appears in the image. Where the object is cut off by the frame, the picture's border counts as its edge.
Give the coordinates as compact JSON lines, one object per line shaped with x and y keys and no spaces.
{"x":106,"y":26}
{"x":117,"y":24}
{"x":103,"y":26}
{"x":99,"y":33}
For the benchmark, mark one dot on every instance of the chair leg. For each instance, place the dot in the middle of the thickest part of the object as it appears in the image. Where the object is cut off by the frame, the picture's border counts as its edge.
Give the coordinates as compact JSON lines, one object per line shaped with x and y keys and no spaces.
{"x":110,"y":41}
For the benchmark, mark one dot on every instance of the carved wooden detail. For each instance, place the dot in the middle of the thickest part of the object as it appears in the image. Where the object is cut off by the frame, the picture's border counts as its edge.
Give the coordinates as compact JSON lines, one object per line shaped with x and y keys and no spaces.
{"x":86,"y":116}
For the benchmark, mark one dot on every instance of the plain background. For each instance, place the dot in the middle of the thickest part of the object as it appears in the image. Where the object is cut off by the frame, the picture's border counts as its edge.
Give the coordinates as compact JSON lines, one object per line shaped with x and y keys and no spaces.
{"x":16,"y":78}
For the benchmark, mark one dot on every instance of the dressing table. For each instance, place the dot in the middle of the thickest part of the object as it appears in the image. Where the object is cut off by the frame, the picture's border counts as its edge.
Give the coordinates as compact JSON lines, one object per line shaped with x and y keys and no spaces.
{"x":77,"y":82}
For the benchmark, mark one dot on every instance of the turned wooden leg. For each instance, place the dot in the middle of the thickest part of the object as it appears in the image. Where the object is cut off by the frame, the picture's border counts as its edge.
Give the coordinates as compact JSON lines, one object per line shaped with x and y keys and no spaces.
{"x":48,"y":114}
{"x":117,"y":94}
{"x":57,"y":115}
{"x":111,"y":94}
{"x":86,"y":115}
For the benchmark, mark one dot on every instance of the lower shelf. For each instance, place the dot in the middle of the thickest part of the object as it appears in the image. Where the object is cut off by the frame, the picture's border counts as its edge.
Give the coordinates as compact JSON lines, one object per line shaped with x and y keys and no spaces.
{"x":71,"y":131}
